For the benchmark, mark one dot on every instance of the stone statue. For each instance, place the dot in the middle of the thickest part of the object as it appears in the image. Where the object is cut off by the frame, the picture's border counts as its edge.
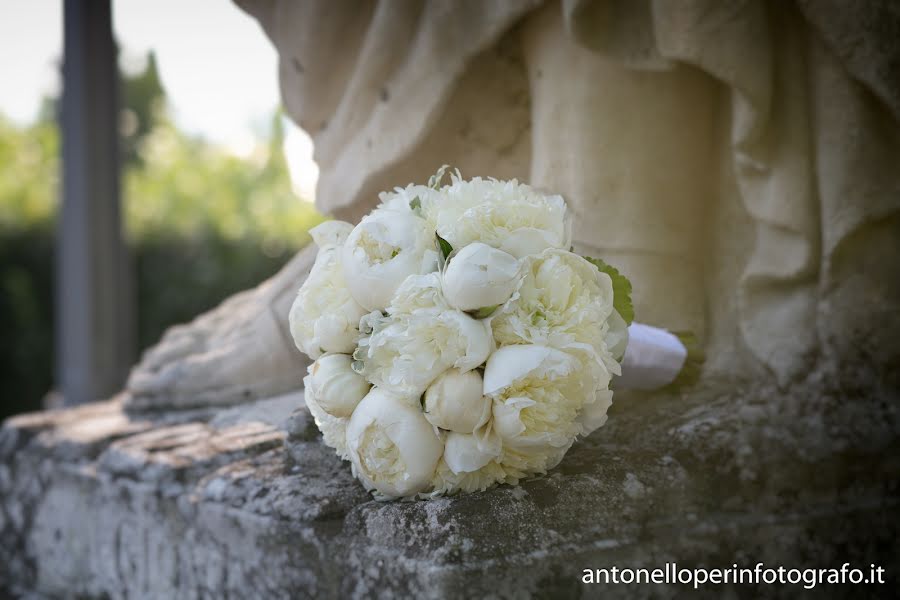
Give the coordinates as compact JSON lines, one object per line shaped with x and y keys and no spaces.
{"x":738,"y":160}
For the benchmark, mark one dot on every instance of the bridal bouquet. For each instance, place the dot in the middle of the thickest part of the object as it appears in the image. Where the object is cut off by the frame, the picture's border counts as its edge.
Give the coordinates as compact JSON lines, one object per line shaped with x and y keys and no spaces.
{"x":458,"y":341}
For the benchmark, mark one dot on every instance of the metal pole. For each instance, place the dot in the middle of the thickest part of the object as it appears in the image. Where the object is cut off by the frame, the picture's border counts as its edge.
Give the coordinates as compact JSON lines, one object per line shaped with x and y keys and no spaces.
{"x":93,"y":307}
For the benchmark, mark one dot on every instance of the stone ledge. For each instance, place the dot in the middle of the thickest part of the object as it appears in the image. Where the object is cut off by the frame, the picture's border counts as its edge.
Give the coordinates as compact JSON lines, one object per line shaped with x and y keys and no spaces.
{"x":98,"y":503}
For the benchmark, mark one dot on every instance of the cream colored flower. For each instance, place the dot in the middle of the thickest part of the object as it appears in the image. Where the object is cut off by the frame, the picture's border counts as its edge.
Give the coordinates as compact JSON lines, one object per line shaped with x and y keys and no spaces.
{"x":394,"y":450}
{"x":333,"y":428}
{"x":479,"y":277}
{"x":495,"y":472}
{"x":537,"y":393}
{"x":617,"y":335}
{"x":324,"y":316}
{"x":330,"y":233}
{"x":337,"y":387}
{"x":454,"y":401}
{"x":382,"y":251}
{"x":593,"y":413}
{"x":564,"y":302}
{"x":420,"y":200}
{"x":375,"y":291}
{"x":467,"y":452}
{"x":420,"y":338}
{"x":507,"y":215}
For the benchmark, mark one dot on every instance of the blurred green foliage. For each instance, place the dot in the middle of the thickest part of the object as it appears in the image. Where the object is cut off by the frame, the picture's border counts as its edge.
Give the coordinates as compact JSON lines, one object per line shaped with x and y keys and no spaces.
{"x":201,"y":224}
{"x":185,"y":186}
{"x":29,"y":174}
{"x":143,"y":98}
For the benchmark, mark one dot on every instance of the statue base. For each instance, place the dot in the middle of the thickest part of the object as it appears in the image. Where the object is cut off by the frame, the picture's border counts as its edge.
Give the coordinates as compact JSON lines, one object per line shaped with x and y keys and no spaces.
{"x":248,"y":502}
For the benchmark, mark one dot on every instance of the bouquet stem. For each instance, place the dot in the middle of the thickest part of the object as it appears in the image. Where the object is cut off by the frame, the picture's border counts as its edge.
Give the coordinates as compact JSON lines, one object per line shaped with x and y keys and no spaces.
{"x":656,"y":358}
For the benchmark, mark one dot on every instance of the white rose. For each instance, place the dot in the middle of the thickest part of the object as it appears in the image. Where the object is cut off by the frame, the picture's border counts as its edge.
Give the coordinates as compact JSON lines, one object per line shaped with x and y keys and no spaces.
{"x":324,"y":316}
{"x":467,"y":453}
{"x":420,"y":338}
{"x":392,"y":447}
{"x":454,"y":401}
{"x":333,"y":428}
{"x":537,"y":394}
{"x":479,"y":276}
{"x":382,"y":251}
{"x":507,"y":215}
{"x":564,"y":302}
{"x":337,"y":387}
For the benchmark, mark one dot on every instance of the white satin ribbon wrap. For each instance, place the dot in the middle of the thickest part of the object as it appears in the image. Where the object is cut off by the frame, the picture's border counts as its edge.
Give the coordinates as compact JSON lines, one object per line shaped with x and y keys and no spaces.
{"x":653,"y":358}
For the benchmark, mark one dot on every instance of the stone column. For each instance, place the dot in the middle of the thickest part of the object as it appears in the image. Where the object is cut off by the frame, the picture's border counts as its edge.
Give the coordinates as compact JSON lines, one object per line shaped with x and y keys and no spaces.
{"x":94,"y":325}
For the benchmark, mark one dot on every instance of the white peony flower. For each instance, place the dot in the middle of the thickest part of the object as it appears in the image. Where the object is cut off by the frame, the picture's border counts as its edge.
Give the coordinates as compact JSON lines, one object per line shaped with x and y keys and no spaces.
{"x":532,"y":460}
{"x":593,"y":414}
{"x":454,"y":401}
{"x":419,"y":339}
{"x":479,"y":276}
{"x":336,"y":386}
{"x":375,"y":291}
{"x":324,"y":316}
{"x":537,"y":394}
{"x":564,"y":302}
{"x":421,"y":200}
{"x":333,"y":428}
{"x":617,"y":335}
{"x":467,"y":453}
{"x":382,"y":251}
{"x":493,"y":473}
{"x":508,"y":215}
{"x":394,"y":450}
{"x":330,"y":233}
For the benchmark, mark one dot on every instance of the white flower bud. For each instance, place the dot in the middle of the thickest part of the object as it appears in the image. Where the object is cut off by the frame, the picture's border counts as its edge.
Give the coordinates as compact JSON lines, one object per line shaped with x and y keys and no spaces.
{"x":454,"y":401}
{"x":324,"y":316}
{"x":333,"y":428}
{"x":382,"y":251}
{"x":466,"y":453}
{"x":337,"y":387}
{"x":394,"y":450}
{"x":479,"y":276}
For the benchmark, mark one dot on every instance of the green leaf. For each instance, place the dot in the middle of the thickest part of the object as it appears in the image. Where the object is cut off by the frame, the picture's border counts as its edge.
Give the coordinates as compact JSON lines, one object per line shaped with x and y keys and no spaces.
{"x":621,"y":288}
{"x":484,"y":312}
{"x":443,"y":245}
{"x":415,"y":205}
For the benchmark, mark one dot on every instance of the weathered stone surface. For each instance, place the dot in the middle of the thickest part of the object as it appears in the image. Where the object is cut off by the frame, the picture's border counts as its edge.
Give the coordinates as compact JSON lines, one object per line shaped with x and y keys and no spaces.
{"x":97,"y":503}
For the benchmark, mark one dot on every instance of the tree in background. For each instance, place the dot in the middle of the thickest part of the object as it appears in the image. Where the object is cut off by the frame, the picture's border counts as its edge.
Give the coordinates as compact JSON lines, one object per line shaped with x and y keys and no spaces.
{"x":202,"y":224}
{"x":143,"y":101}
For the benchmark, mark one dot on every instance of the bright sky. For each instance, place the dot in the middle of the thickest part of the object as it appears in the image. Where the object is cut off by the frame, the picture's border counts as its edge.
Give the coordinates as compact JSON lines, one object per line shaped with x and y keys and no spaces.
{"x":217,"y":67}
